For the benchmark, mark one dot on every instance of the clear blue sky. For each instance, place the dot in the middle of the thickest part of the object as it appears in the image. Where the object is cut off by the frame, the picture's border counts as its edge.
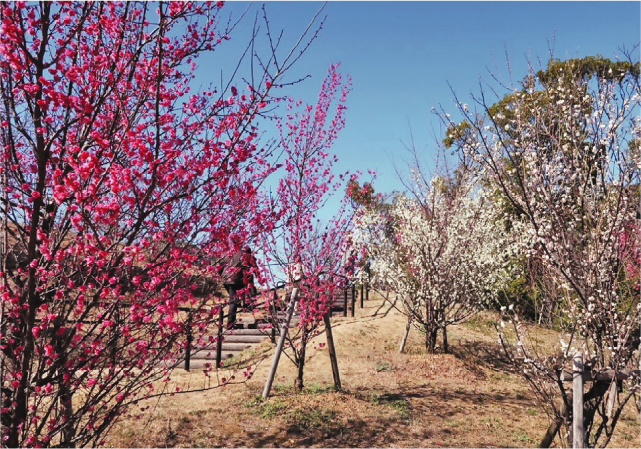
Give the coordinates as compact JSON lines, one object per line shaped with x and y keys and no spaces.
{"x":401,"y":56}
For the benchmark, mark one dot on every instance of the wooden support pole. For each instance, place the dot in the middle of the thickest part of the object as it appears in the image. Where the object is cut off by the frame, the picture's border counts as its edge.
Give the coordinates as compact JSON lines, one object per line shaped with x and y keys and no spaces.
{"x":281,"y":343}
{"x":219,"y":341}
{"x":272,"y":335}
{"x":188,"y":350}
{"x":367,"y":292}
{"x":578,"y":432}
{"x":607,"y":375}
{"x":353,"y":299}
{"x":345,"y":305}
{"x":362,"y":294}
{"x":332,"y":351}
{"x":405,"y":335}
{"x":273,"y":314}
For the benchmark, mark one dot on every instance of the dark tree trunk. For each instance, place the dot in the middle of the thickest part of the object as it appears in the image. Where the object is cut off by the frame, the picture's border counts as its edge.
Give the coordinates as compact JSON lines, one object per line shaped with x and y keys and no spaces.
{"x":430,"y":339}
{"x":445,"y":345}
{"x":65,"y":397}
{"x":555,"y":427}
{"x":591,"y":399}
{"x":298,"y":383}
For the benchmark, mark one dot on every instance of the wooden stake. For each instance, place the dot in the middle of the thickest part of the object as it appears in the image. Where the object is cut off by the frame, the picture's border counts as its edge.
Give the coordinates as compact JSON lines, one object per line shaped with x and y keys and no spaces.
{"x":611,"y":396}
{"x":219,"y":342}
{"x":332,"y":351}
{"x":353,"y":299}
{"x":273,"y":317}
{"x":345,"y":306}
{"x":578,"y":433}
{"x":407,"y":332}
{"x":188,"y":351}
{"x":281,"y":343}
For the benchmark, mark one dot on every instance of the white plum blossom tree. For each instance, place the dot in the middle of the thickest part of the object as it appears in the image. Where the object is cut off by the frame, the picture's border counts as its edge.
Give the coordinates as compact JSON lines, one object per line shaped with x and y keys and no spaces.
{"x":442,"y":252}
{"x":563,"y":150}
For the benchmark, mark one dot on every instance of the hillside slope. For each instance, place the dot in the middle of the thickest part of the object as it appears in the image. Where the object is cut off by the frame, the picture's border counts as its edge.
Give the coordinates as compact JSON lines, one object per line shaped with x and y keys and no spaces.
{"x":465,"y":399}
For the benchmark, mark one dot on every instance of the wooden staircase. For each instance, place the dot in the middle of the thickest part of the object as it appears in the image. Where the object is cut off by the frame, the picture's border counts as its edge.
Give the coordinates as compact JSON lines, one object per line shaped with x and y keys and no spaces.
{"x":345,"y":302}
{"x":235,"y":342}
{"x":251,"y":331}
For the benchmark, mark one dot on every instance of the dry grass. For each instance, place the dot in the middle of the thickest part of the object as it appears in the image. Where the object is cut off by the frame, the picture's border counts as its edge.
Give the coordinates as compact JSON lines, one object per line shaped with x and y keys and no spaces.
{"x":464,"y":399}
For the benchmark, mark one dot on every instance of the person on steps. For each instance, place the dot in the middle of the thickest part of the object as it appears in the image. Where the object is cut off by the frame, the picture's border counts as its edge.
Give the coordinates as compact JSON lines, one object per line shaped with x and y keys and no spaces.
{"x":240,"y":282}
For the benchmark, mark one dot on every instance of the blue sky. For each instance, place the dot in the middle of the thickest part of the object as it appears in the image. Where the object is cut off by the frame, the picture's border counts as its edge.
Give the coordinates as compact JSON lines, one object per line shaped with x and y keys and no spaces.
{"x":402,"y":55}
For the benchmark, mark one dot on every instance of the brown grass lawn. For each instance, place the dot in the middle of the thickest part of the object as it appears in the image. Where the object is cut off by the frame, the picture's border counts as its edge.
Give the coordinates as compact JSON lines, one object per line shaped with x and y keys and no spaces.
{"x":464,"y":399}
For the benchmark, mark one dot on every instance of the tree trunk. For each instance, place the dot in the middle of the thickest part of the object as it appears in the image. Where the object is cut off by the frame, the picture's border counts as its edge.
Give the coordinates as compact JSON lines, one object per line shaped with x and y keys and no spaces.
{"x":551,"y":433}
{"x":65,"y":398}
{"x":590,"y":405}
{"x":591,"y":401}
{"x":554,"y":428}
{"x":66,"y":404}
{"x":298,"y":384}
{"x":430,"y":339}
{"x":445,"y":345}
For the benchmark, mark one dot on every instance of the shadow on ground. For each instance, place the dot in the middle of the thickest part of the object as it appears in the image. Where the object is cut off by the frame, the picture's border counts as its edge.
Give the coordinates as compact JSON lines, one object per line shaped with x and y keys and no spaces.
{"x":477,"y":354}
{"x":402,"y":420}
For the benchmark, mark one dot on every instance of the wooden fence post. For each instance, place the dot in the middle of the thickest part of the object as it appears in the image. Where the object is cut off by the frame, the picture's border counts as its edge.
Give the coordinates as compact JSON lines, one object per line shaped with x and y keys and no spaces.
{"x":273,"y":312}
{"x":345,"y":305}
{"x":578,"y":432}
{"x":578,"y":376}
{"x":219,"y":341}
{"x":353,"y":299}
{"x":281,"y":343}
{"x":188,"y":350}
{"x":332,"y":351}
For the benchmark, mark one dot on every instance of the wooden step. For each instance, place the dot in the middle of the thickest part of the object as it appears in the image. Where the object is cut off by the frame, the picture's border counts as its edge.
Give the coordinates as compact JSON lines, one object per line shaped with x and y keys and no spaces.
{"x":200,"y":363}
{"x":244,"y":338}
{"x":227,"y":347}
{"x":283,"y":316}
{"x":259,"y":330}
{"x":204,"y":354}
{"x":253,"y":338}
{"x":259,"y":323}
{"x":211,"y":355}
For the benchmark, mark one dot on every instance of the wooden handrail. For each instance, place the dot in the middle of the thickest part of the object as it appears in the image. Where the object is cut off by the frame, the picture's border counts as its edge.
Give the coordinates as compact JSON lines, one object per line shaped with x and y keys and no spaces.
{"x":609,"y":374}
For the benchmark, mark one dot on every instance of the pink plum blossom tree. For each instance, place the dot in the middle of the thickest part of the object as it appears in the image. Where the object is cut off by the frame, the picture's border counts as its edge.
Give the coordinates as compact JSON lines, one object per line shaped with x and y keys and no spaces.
{"x":123,"y":191}
{"x":302,"y":240}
